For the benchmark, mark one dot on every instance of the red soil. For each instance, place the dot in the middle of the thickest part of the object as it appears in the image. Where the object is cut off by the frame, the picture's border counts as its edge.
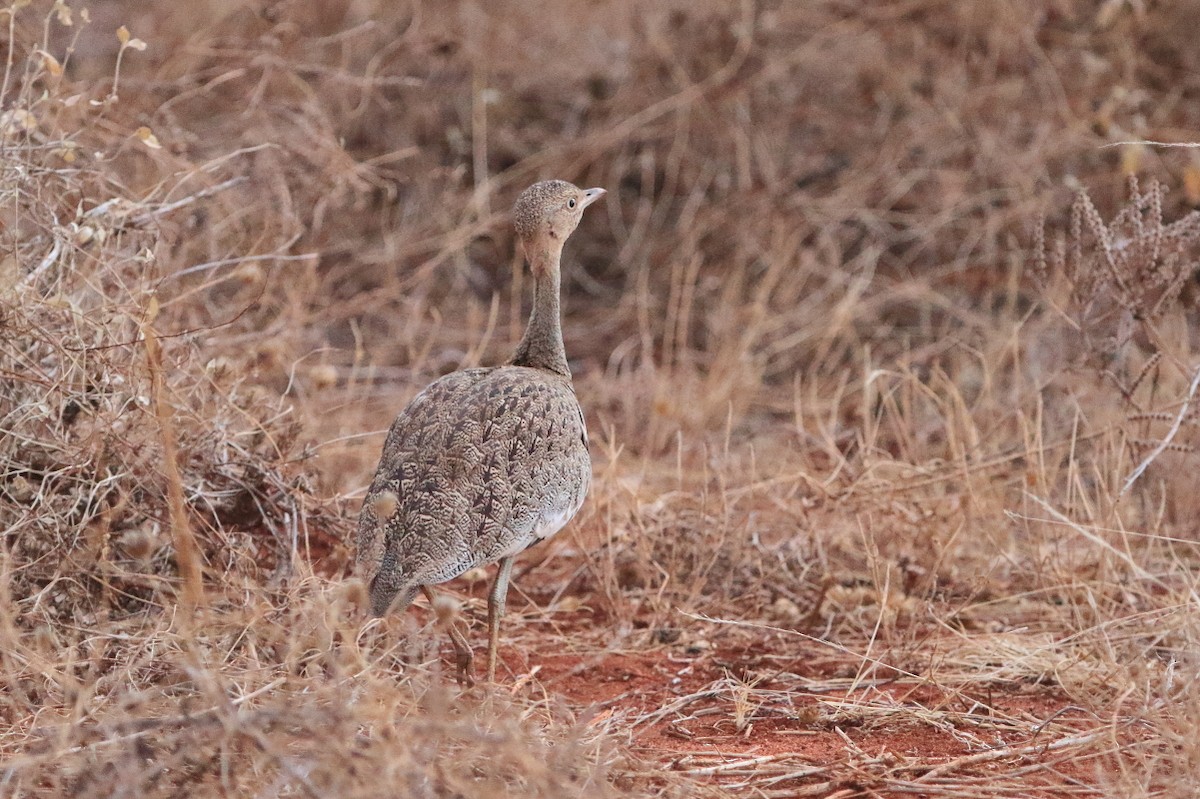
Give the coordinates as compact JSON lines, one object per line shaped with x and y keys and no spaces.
{"x":652,"y":693}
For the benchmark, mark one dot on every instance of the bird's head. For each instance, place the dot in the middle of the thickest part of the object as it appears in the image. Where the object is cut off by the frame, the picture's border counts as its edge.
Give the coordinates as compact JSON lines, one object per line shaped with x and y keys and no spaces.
{"x":547,"y":212}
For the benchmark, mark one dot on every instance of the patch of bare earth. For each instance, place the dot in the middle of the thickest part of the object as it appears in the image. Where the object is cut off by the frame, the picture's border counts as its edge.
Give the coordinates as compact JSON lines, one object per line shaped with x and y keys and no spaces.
{"x":735,"y":706}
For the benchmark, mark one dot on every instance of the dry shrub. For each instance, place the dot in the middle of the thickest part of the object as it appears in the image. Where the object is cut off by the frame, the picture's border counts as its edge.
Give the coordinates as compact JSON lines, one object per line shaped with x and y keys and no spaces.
{"x":1120,"y":309}
{"x":85,"y":510}
{"x":1124,"y":284}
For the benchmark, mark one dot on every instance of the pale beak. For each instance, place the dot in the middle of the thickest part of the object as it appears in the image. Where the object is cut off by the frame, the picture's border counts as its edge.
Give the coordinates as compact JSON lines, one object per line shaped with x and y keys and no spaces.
{"x":590,"y":196}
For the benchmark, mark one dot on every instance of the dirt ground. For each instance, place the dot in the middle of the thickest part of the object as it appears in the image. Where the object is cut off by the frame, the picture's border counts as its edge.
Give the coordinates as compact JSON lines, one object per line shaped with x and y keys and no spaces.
{"x":734,"y":705}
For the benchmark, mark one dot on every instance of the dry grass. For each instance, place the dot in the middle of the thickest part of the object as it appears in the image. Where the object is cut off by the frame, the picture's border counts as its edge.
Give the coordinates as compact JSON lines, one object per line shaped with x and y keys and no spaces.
{"x":886,"y":333}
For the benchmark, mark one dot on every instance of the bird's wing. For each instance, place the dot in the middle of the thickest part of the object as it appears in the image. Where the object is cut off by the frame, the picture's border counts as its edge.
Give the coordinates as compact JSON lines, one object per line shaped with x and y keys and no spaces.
{"x":481,"y":464}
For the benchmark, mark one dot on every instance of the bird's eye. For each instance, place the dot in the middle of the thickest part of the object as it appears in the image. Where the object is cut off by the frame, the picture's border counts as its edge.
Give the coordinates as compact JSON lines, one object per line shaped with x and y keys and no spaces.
{"x":571,"y":203}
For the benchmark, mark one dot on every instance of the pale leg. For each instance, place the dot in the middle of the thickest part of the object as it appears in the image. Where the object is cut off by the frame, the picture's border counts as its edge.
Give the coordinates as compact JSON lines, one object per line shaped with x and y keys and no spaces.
{"x":496,"y":612}
{"x":462,"y":650}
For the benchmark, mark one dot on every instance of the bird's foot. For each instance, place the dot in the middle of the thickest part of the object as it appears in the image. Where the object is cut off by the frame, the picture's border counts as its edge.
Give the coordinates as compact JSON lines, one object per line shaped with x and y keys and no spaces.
{"x":463,"y":662}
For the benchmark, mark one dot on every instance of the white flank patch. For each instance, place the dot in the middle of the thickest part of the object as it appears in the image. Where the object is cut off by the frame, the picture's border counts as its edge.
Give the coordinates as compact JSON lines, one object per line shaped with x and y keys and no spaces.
{"x":550,"y":523}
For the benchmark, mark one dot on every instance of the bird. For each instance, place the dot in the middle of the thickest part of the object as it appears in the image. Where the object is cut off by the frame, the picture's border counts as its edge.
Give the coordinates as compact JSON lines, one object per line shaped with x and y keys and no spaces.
{"x":484,"y":462}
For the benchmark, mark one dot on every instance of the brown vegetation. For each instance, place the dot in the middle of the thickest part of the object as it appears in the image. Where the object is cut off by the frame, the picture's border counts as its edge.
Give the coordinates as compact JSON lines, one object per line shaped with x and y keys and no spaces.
{"x":895,"y":481}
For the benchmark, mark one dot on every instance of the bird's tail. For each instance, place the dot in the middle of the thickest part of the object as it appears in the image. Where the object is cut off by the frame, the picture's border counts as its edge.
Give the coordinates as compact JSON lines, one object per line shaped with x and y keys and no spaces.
{"x":387,"y":593}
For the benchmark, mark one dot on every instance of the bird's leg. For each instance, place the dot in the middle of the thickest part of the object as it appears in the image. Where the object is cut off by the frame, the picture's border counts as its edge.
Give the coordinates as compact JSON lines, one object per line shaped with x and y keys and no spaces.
{"x":462,"y":650}
{"x":496,"y":612}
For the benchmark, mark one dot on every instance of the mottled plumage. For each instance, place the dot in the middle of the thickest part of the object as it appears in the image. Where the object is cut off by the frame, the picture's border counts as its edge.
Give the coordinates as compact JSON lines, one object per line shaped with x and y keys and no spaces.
{"x":484,"y":462}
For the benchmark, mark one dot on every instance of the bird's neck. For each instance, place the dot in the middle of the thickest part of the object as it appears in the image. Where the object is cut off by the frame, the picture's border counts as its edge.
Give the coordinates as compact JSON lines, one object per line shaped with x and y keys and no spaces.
{"x":542,"y":345}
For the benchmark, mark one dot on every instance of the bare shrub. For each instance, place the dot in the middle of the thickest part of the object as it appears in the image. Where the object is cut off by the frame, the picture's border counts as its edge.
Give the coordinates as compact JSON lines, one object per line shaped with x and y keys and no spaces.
{"x":1121,"y":279}
{"x":83,"y":481}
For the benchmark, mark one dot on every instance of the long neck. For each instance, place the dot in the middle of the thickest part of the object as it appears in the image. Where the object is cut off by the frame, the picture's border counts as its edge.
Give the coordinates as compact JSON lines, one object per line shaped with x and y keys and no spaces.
{"x":542,"y":345}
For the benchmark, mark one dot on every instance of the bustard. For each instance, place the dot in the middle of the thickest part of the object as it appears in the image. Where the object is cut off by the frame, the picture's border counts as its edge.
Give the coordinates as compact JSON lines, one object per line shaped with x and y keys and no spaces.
{"x":484,"y":462}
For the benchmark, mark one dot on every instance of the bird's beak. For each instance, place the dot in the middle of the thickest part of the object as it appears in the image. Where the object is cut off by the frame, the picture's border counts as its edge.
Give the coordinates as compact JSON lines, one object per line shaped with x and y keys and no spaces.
{"x":591,"y":195}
